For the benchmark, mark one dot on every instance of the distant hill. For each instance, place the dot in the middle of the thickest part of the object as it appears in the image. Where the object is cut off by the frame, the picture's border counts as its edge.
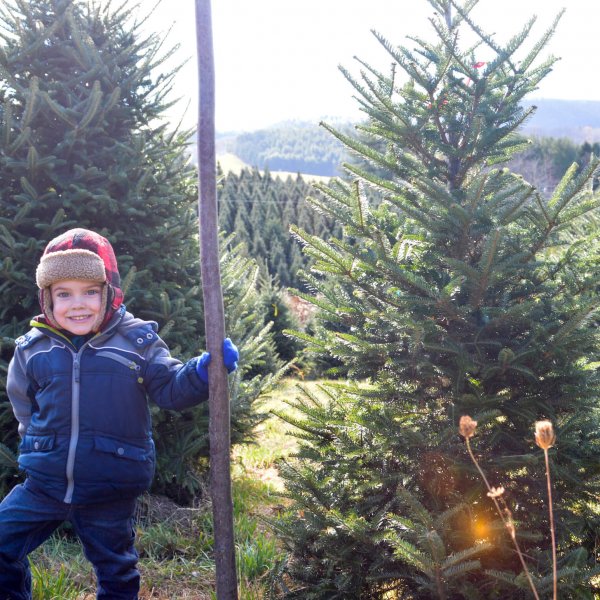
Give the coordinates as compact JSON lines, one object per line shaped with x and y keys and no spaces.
{"x":578,"y":120}
{"x":306,"y":148}
{"x":294,"y":146}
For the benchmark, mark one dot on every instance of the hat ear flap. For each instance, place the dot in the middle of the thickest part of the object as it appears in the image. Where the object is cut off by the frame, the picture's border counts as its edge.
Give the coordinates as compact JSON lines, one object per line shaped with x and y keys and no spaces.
{"x":108,"y":294}
{"x":45,"y":298}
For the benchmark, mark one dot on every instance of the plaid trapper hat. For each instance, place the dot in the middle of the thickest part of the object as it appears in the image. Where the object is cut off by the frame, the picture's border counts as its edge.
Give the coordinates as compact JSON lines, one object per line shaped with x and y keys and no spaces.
{"x":84,"y":255}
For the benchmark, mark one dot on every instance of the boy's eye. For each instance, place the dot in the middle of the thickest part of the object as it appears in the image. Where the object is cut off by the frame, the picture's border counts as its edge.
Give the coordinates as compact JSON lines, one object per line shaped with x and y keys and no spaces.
{"x":93,"y":292}
{"x":63,"y":294}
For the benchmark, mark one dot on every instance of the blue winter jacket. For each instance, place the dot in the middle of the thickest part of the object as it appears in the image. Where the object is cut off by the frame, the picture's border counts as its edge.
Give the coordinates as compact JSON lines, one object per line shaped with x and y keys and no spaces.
{"x":83,"y":414}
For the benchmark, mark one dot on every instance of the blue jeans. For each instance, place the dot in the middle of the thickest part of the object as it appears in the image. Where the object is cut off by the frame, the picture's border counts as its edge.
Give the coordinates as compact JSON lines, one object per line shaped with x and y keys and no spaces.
{"x":28,"y":517}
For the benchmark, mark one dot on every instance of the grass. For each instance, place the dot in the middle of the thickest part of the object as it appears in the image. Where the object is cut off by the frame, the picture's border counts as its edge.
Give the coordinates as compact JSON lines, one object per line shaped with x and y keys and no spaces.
{"x":50,"y":586}
{"x":175,"y":544}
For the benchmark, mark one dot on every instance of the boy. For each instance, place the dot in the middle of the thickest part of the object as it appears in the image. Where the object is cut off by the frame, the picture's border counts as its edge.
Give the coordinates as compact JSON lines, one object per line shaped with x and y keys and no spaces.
{"x":78,"y":384}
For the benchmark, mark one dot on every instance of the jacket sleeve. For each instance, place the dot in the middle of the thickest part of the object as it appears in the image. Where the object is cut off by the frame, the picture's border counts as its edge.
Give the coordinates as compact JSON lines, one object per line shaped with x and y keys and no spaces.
{"x":169,"y":382}
{"x":17,"y":387}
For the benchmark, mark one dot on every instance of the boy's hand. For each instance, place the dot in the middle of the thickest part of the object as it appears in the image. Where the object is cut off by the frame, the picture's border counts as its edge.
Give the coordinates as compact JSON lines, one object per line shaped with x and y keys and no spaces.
{"x":230,"y":360}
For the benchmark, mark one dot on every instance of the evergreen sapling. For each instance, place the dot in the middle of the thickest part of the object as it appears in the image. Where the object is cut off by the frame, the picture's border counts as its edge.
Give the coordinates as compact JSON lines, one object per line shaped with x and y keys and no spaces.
{"x":456,"y":288}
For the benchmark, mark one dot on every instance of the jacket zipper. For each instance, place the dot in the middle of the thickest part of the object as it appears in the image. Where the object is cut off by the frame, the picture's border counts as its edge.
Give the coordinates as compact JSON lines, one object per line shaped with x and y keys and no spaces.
{"x":74,"y":439}
{"x":131,"y":364}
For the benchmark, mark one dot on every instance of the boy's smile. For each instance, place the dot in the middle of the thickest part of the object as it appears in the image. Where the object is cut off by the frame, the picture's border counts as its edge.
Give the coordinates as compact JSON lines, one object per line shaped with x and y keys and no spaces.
{"x":77,"y":305}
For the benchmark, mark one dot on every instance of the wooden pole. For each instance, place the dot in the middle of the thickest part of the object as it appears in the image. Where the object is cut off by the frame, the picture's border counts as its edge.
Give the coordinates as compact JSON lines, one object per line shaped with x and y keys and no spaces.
{"x":219,"y":418}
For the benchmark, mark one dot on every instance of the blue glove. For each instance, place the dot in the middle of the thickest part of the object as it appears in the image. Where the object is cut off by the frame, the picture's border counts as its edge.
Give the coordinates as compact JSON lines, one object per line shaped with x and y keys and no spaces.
{"x":230,"y":360}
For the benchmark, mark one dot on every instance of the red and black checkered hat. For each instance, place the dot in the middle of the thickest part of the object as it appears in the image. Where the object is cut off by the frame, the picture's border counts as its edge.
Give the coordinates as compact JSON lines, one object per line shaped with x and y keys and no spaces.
{"x":83,"y":255}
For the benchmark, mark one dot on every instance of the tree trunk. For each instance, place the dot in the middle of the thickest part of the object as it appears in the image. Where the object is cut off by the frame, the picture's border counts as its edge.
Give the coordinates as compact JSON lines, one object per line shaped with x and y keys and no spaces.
{"x":219,"y":419}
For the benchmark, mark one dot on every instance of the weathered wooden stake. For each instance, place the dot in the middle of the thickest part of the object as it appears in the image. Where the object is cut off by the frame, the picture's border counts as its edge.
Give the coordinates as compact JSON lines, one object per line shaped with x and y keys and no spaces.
{"x":219,"y":419}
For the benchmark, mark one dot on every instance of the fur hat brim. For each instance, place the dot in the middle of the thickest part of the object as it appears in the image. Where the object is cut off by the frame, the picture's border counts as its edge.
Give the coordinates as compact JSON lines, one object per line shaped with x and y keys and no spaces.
{"x":76,"y":263}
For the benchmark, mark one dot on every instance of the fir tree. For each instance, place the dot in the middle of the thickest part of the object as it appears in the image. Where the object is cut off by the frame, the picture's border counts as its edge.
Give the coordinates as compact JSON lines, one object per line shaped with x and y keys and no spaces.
{"x":83,"y":143}
{"x":458,"y":290}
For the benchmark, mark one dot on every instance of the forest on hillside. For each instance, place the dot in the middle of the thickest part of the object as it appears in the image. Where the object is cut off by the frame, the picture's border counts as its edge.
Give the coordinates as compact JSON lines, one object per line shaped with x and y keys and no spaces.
{"x":294,"y":147}
{"x":309,"y":149}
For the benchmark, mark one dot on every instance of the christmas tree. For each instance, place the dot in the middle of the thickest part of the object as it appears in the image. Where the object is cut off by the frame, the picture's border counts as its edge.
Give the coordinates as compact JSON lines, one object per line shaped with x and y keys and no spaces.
{"x":457,"y":288}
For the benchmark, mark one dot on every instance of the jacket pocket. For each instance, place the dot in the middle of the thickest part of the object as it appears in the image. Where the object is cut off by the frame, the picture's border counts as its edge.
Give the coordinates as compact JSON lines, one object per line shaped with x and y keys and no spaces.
{"x":122,"y":449}
{"x":37,"y":443}
{"x":126,"y":362}
{"x":134,"y":368}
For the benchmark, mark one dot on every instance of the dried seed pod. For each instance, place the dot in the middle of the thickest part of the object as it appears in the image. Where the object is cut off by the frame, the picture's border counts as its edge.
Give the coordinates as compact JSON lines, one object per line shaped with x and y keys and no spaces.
{"x":544,"y":434}
{"x":496,"y":492}
{"x":467,"y":426}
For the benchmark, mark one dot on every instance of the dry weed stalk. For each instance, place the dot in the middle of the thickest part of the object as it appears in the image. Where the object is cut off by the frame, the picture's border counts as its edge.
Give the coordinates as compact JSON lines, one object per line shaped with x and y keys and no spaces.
{"x":545,"y":438}
{"x":467,"y":428}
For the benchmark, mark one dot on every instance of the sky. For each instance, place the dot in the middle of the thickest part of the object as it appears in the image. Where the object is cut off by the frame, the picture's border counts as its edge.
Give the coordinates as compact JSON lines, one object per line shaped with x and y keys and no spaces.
{"x":277,"y":60}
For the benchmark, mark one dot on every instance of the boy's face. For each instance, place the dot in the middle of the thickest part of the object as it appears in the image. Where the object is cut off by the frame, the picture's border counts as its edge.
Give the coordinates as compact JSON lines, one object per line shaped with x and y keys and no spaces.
{"x":76,"y":305}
